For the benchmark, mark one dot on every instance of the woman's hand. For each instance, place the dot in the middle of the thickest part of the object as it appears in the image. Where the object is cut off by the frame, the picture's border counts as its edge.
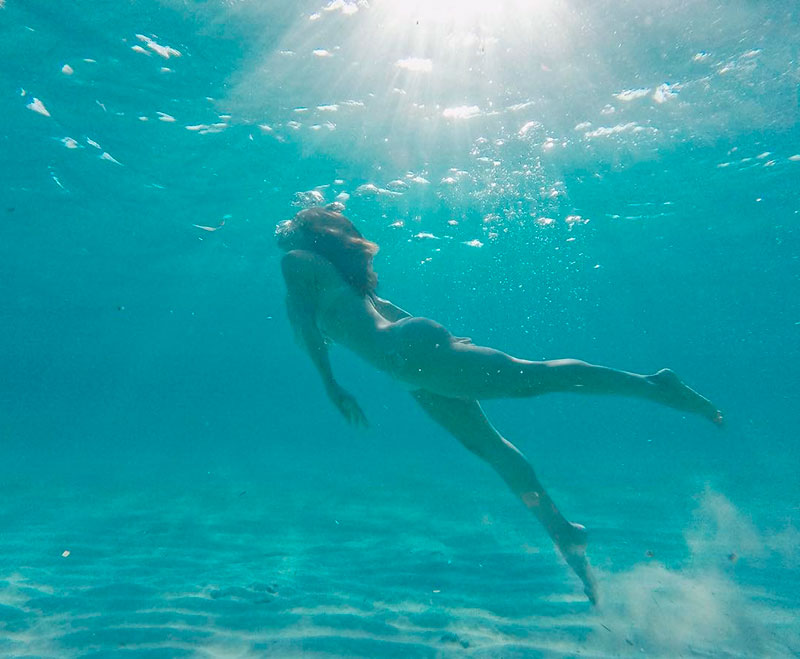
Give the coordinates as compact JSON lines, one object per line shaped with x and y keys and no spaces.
{"x":347,"y":405}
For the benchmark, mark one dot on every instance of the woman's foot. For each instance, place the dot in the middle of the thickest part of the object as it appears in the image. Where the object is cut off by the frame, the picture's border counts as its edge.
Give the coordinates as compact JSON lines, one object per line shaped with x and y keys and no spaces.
{"x":673,"y":392}
{"x":573,"y":548}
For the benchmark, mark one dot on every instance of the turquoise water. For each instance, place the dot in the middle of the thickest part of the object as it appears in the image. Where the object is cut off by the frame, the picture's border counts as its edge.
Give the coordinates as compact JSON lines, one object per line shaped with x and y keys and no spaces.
{"x":615,"y":182}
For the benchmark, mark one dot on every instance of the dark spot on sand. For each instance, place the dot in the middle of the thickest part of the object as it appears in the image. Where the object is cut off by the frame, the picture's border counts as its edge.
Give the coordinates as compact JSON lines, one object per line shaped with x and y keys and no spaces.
{"x":271,"y":588}
{"x":450,"y":637}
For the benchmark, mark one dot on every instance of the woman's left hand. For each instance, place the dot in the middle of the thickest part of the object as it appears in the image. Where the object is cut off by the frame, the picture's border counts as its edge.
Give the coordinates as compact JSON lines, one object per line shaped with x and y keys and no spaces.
{"x":348,"y":406}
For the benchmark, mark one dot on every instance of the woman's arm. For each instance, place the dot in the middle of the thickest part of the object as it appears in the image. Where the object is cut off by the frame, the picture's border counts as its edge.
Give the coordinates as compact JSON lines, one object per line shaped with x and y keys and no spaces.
{"x":314,"y":343}
{"x":310,"y":338}
{"x":302,"y":288}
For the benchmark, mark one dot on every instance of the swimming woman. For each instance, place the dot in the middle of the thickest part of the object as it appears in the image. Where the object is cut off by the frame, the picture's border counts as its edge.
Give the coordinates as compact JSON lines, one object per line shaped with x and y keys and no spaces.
{"x":331,"y":297}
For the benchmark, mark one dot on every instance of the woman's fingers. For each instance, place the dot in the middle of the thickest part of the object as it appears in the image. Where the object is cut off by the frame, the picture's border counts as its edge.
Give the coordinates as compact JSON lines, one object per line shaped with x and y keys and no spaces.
{"x":362,"y":419}
{"x":356,"y":415}
{"x":351,"y":410}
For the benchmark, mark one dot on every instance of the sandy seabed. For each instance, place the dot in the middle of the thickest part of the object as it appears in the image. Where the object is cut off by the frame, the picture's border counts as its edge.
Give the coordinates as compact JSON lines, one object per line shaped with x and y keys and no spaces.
{"x":224,"y":569}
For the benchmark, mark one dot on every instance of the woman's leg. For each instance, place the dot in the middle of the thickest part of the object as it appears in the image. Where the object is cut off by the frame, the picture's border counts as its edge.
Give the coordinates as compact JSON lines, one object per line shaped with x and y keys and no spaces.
{"x":465,"y":420}
{"x":437,"y":362}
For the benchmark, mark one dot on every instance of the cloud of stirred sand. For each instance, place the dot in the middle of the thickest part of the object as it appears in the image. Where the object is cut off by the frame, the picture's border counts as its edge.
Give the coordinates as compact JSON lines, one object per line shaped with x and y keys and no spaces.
{"x":703,"y":609}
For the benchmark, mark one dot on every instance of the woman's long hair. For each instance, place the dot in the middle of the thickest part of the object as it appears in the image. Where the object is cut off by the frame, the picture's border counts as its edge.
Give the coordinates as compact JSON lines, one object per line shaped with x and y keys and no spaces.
{"x":334,"y":237}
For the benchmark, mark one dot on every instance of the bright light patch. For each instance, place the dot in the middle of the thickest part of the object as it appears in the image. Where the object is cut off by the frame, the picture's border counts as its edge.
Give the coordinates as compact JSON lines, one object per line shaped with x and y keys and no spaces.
{"x":461,"y":112}
{"x":416,"y":64}
{"x":665,"y":92}
{"x":631,"y":94}
{"x":107,"y":156}
{"x":37,"y":106}
{"x":347,"y":7}
{"x":605,"y":131}
{"x":165,"y":51}
{"x":453,"y":12}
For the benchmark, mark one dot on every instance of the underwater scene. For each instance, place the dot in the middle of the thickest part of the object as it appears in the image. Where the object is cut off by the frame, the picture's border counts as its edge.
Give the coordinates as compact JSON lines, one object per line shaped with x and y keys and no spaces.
{"x":611,"y":182}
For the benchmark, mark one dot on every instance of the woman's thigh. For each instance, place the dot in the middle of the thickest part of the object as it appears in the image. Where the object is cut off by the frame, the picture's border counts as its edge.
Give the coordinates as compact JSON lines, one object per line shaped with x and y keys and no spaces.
{"x":426,"y":355}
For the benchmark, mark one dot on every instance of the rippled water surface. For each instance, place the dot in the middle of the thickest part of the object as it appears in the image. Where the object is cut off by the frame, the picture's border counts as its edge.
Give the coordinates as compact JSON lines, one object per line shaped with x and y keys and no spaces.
{"x":611,"y":181}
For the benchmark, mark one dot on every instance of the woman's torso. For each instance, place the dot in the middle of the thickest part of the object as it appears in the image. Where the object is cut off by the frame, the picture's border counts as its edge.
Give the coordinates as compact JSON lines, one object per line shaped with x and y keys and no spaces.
{"x":351,"y":320}
{"x":408,"y":349}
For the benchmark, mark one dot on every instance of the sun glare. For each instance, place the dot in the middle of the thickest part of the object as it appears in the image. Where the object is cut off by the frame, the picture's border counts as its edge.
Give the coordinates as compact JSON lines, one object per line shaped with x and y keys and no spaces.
{"x":413,"y":73}
{"x":466,"y":15}
{"x":447,"y":12}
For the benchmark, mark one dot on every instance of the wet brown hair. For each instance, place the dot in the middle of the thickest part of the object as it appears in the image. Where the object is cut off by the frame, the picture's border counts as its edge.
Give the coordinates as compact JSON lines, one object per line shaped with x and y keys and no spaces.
{"x":332,"y":236}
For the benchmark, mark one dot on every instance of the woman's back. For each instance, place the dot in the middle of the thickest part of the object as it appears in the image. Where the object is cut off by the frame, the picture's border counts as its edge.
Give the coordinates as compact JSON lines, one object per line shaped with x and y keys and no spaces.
{"x":340,"y":313}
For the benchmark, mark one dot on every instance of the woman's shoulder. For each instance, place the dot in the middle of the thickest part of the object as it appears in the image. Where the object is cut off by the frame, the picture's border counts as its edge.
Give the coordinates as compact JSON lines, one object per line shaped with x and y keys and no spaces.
{"x":304,"y":265}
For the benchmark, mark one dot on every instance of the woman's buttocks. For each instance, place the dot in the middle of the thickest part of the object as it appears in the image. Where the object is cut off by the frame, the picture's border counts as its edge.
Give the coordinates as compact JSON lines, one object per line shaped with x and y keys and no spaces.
{"x":416,"y":348}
